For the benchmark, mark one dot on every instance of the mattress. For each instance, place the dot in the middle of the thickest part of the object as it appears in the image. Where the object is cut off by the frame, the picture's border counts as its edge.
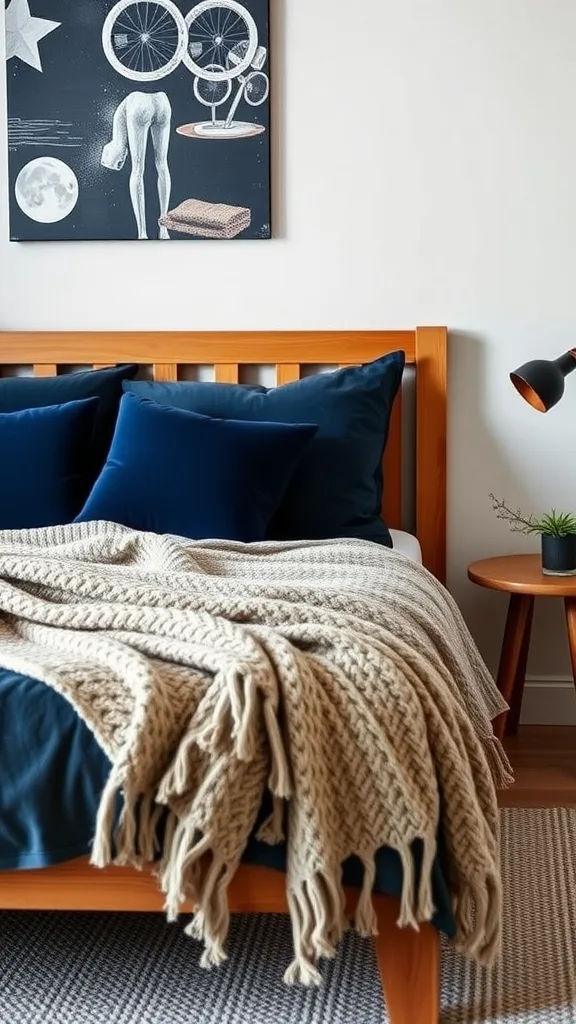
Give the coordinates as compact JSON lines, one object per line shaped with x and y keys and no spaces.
{"x":407,"y":545}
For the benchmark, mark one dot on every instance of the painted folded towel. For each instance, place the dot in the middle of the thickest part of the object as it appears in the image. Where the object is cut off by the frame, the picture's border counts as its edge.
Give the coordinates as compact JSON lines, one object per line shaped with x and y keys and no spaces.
{"x":338,"y":675}
{"x":207,"y":220}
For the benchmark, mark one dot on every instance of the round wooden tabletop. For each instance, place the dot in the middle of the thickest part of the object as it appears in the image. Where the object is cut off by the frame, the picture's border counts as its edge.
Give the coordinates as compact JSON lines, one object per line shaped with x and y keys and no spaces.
{"x":520,"y":574}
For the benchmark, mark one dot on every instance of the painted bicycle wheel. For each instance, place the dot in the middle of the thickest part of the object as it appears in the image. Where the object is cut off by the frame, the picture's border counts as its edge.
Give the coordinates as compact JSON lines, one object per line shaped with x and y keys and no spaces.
{"x":256,"y":88}
{"x":215,"y":27}
{"x":145,"y":40}
{"x":212,"y":94}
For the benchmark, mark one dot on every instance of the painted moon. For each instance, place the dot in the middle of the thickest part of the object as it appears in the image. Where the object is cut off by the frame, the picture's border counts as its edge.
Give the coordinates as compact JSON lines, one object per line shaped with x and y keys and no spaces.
{"x":46,"y":190}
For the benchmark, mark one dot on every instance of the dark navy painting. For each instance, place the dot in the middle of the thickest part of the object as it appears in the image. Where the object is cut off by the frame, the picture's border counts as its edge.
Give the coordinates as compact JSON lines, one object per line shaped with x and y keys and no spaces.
{"x":138,"y":119}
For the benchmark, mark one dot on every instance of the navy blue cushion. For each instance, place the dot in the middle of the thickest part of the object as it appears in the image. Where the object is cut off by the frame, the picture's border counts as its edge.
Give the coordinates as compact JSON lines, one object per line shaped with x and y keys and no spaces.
{"x":336,"y":490}
{"x":43,"y":464}
{"x":17,"y":393}
{"x":172,"y":471}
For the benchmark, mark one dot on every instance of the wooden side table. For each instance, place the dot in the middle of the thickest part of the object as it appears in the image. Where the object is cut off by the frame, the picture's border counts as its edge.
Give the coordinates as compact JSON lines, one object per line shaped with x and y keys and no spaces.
{"x":521,"y":576}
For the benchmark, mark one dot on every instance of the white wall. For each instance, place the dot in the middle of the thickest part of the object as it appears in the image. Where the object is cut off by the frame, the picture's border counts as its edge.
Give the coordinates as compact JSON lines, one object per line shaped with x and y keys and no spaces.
{"x":425,"y":172}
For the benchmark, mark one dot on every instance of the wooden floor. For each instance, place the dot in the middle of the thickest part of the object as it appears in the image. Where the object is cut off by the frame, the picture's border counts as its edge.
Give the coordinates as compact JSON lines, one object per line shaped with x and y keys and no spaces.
{"x":544,"y":762}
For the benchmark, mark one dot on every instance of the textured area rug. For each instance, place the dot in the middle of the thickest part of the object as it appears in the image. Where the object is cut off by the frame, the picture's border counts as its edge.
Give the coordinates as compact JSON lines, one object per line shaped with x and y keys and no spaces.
{"x":135,"y":969}
{"x":535,"y":980}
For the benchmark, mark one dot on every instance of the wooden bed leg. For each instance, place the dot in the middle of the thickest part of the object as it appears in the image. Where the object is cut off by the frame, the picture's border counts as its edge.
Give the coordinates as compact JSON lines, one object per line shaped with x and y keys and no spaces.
{"x":409,"y":963}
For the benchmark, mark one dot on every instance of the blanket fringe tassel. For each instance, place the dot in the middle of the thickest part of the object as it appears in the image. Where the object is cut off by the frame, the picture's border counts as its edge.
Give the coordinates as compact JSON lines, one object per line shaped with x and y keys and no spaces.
{"x":500,"y":766}
{"x":478,"y":913}
{"x":271,"y":830}
{"x":135,"y":841}
{"x":240,"y":699}
{"x":212,"y":919}
{"x":317,"y":904}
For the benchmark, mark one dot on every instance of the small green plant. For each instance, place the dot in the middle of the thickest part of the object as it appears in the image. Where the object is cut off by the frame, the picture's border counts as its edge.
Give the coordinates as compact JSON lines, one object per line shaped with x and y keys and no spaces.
{"x":553,"y":523}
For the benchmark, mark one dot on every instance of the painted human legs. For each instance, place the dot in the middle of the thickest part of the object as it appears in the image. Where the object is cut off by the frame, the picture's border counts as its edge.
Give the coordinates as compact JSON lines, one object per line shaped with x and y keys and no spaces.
{"x":160,"y":131}
{"x":138,"y":128}
{"x":137,"y":116}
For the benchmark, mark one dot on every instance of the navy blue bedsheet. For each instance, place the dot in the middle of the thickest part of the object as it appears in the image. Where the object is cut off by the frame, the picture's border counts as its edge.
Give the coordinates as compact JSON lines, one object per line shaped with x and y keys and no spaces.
{"x":52,"y":772}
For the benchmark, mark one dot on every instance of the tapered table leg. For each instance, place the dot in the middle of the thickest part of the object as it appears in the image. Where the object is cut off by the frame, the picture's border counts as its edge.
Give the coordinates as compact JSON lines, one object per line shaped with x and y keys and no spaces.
{"x":513,"y":659}
{"x":570,"y":606}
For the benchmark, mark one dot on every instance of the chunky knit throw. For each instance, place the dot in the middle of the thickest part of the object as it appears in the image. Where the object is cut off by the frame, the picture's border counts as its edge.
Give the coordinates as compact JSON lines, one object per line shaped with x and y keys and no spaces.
{"x":339,"y":675}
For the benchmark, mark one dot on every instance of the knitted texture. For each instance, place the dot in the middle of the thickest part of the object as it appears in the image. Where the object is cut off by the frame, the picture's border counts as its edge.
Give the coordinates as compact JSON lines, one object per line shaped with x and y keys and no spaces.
{"x":337,"y":674}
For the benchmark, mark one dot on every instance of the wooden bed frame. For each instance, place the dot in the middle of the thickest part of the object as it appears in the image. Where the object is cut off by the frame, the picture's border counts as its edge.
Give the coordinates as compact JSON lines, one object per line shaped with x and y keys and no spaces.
{"x":409,"y":961}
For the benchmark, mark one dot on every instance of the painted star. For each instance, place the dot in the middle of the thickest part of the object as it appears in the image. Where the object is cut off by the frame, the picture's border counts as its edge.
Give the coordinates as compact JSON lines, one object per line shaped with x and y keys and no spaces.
{"x":23,"y":33}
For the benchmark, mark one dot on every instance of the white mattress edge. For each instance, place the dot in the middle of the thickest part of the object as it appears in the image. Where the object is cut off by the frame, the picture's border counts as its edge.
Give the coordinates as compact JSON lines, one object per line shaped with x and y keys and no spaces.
{"x":407,"y":545}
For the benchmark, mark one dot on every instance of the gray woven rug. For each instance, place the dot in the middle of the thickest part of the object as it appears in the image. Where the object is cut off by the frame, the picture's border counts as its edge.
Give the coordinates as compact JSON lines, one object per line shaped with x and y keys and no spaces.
{"x":135,"y":969}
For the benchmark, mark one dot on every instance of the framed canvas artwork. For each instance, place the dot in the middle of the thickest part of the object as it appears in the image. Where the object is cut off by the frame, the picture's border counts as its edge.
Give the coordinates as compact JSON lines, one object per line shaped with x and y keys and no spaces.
{"x":138,"y":119}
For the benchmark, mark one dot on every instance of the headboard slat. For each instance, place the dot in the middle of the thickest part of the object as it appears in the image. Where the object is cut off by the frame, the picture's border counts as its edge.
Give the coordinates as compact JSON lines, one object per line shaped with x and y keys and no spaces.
{"x":226,"y":373}
{"x":286,"y":373}
{"x":45,"y":369}
{"x":165,"y":371}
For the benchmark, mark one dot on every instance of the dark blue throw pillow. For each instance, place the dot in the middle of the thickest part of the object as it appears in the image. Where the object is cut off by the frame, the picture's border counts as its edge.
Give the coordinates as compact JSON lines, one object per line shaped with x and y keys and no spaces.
{"x":43,"y":464}
{"x":18,"y":393}
{"x":172,"y":471}
{"x":336,"y":490}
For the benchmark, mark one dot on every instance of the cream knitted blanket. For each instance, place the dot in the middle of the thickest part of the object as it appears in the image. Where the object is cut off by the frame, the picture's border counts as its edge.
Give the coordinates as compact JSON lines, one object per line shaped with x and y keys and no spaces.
{"x":337,"y":674}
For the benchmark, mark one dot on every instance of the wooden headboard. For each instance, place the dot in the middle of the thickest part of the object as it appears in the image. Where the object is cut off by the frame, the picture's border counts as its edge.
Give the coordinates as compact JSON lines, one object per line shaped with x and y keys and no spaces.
{"x":425,"y":349}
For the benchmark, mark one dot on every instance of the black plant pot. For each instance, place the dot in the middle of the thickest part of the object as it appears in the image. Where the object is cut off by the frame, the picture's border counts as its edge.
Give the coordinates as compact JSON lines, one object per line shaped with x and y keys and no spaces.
{"x":559,"y":555}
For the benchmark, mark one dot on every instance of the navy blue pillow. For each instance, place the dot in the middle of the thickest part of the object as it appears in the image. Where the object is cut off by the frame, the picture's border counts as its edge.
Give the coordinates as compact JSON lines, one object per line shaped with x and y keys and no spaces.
{"x":336,"y":490}
{"x":172,"y":471}
{"x":18,"y":393}
{"x":43,"y":464}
